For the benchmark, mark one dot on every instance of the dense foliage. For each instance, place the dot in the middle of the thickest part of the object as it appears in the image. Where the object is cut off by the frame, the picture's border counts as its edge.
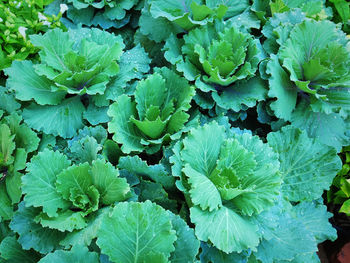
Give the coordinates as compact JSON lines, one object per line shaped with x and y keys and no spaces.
{"x":172,"y":131}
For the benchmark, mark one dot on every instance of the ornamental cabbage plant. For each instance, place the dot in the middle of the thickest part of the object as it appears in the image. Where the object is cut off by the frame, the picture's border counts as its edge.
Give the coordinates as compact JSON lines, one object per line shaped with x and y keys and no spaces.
{"x":156,"y":114}
{"x":240,"y":175}
{"x":313,"y":64}
{"x":73,"y":63}
{"x":222,"y":55}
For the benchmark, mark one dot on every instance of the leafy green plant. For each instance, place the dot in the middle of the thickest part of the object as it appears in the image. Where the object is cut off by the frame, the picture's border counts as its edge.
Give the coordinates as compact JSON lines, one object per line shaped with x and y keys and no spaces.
{"x":155,"y":116}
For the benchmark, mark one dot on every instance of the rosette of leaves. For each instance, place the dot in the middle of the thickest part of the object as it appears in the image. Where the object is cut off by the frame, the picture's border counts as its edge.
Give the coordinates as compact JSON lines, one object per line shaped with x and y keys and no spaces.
{"x":215,"y":53}
{"x":19,"y":19}
{"x":240,"y":176}
{"x":155,"y":114}
{"x":182,"y":16}
{"x":72,"y":64}
{"x":105,"y":13}
{"x":309,"y":79}
{"x":313,"y":65}
{"x":62,"y":200}
{"x":17,"y":141}
{"x":217,"y":56}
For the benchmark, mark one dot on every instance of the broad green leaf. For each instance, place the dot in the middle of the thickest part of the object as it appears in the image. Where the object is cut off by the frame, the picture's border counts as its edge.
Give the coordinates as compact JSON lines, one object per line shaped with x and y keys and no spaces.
{"x":124,"y":130}
{"x":133,"y":63}
{"x":76,"y":254}
{"x":12,"y":251}
{"x":150,"y":92}
{"x":287,"y":238}
{"x":330,"y":129}
{"x":88,"y":233}
{"x":96,"y":115}
{"x":30,"y":85}
{"x":62,"y":120}
{"x":202,"y":147}
{"x":201,"y":184}
{"x":245,"y":93}
{"x":186,"y":244}
{"x":65,"y":221}
{"x":316,"y":220}
{"x":31,"y":234}
{"x":39,"y":184}
{"x":282,"y":89}
{"x":227,"y":230}
{"x":308,"y":166}
{"x":13,"y":187}
{"x":6,"y":208}
{"x":54,"y":44}
{"x":134,"y":231}
{"x":105,"y":178}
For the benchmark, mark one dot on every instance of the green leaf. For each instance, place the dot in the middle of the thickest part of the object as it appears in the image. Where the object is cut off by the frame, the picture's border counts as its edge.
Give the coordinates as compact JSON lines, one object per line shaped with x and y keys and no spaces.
{"x":245,"y":93}
{"x":6,"y":209}
{"x":31,"y":85}
{"x":201,"y":184}
{"x":39,"y":184}
{"x":282,"y":89}
{"x":7,"y":146}
{"x":156,"y":29}
{"x":316,"y":220}
{"x":76,"y":254}
{"x":31,"y":234}
{"x":88,"y":233}
{"x":105,"y":179}
{"x":186,"y":244}
{"x":96,"y":115}
{"x":13,"y":187}
{"x":133,"y":231}
{"x":156,"y":194}
{"x":65,"y":221}
{"x":284,"y":238}
{"x":62,"y":120}
{"x":227,"y":230}
{"x":345,"y":208}
{"x":12,"y":251}
{"x":202,"y":147}
{"x":308,"y":166}
{"x":330,"y":129}
{"x":124,"y":130}
{"x":54,"y":44}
